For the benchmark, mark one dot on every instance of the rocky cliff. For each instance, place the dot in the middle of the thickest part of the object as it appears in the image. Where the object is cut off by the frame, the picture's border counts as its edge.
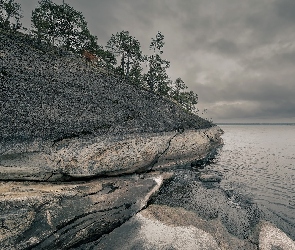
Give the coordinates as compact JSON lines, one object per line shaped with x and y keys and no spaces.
{"x":88,"y":161}
{"x":62,"y":119}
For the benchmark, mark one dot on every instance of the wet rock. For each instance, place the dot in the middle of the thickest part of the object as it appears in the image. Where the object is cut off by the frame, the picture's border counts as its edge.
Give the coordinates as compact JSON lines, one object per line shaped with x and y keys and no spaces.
{"x":239,"y":218}
{"x":210,"y":178}
{"x":62,"y":215}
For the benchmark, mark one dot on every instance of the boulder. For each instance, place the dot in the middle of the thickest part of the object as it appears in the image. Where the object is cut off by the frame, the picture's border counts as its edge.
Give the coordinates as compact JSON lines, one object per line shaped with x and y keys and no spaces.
{"x":210,"y":178}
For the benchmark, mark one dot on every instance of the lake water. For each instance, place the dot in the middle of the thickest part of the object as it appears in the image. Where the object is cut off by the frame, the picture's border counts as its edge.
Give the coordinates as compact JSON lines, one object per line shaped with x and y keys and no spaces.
{"x":259,"y":162}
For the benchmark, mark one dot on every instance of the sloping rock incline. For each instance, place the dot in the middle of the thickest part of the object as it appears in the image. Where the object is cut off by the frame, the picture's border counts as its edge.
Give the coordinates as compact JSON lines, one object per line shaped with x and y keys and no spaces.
{"x":61,"y":120}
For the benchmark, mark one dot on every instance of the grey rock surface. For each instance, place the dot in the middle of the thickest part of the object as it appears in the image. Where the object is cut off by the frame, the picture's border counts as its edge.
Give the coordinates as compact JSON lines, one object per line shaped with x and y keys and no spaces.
{"x":87,"y":157}
{"x":62,"y":215}
{"x":270,"y":237}
{"x":109,"y":155}
{"x":163,"y":227}
{"x":210,"y":178}
{"x":190,"y":146}
{"x":189,"y":214}
{"x":209,"y":201}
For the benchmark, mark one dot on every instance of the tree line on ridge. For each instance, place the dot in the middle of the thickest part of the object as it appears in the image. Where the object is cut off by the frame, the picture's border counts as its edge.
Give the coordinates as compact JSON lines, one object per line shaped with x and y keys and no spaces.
{"x":65,"y":27}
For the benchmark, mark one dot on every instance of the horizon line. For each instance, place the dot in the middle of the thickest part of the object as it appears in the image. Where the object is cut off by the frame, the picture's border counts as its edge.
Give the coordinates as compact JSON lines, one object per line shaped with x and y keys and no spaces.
{"x":255,"y":123}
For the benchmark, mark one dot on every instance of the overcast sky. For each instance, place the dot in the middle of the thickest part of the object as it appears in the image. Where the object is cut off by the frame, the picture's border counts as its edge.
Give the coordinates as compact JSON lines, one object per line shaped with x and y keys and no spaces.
{"x":238,"y":56}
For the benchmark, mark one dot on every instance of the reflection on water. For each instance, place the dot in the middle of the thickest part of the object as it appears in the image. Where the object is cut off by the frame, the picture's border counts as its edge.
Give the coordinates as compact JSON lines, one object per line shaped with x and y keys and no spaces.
{"x":259,"y":161}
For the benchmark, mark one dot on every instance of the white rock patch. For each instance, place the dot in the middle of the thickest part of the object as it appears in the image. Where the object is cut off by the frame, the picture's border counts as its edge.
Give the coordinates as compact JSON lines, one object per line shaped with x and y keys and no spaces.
{"x":271,"y":237}
{"x":157,"y":235}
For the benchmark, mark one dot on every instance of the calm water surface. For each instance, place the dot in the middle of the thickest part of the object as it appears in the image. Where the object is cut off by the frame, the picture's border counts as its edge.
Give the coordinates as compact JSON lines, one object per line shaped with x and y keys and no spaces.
{"x":259,"y":161}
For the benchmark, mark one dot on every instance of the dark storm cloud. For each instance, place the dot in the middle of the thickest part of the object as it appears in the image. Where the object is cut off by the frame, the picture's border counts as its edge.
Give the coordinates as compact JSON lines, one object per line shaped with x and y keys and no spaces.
{"x":286,"y":9}
{"x":238,"y":56}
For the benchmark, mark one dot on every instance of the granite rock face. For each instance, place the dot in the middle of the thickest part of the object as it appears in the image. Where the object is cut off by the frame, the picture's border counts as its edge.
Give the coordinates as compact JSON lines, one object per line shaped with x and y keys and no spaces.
{"x":190,"y":146}
{"x":61,"y":120}
{"x":271,"y":237}
{"x":86,"y":157}
{"x":163,"y":227}
{"x":112,"y":155}
{"x":63,"y":215}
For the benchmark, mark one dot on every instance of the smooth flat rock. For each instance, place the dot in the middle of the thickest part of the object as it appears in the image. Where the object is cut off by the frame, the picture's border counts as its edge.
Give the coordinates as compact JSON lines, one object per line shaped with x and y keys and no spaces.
{"x":59,"y":216}
{"x":84,"y":157}
{"x":163,"y":227}
{"x":106,"y":155}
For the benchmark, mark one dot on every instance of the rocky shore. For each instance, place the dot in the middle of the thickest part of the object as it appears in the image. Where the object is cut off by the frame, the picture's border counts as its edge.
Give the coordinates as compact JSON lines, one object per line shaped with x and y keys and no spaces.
{"x":88,"y":161}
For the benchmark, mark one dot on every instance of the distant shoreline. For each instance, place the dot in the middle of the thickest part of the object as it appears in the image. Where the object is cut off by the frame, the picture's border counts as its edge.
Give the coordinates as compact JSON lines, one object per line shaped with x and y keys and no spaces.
{"x":258,"y":123}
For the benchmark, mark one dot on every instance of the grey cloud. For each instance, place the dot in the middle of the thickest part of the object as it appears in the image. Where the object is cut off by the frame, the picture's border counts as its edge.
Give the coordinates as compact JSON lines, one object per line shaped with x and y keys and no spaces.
{"x":248,"y":90}
{"x":285,"y":9}
{"x":224,"y":46}
{"x":238,"y":56}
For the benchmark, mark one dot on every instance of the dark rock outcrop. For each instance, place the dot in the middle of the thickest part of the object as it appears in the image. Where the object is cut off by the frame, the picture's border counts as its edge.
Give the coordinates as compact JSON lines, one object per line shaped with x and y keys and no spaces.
{"x":210,"y":178}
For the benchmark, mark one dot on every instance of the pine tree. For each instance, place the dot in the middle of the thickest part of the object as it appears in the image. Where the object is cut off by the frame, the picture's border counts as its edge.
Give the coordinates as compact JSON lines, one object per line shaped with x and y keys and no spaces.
{"x":129,"y":49}
{"x":156,"y":77}
{"x":178,"y":87}
{"x":61,"y":25}
{"x":10,"y":10}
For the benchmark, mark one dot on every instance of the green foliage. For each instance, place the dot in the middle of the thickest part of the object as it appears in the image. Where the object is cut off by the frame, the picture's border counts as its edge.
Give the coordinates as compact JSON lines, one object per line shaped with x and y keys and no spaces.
{"x":10,"y":10}
{"x":158,"y":43}
{"x":135,"y":74}
{"x":178,"y":87}
{"x":156,"y":77}
{"x":129,"y":49}
{"x":108,"y":58}
{"x":187,"y":100}
{"x":61,"y":25}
